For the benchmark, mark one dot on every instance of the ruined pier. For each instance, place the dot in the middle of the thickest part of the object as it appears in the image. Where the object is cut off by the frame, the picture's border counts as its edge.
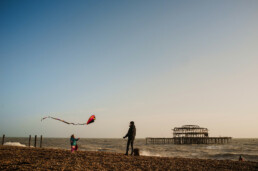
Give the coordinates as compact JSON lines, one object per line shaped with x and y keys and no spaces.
{"x":188,"y":140}
{"x":189,"y":134}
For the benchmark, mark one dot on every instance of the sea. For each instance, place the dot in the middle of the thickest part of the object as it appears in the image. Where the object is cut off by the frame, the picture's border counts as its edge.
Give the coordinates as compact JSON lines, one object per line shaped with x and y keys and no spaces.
{"x":247,"y":148}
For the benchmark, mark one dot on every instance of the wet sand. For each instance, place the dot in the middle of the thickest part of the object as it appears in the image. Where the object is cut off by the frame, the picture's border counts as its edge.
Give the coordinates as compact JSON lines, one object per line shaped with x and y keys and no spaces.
{"x":24,"y":158}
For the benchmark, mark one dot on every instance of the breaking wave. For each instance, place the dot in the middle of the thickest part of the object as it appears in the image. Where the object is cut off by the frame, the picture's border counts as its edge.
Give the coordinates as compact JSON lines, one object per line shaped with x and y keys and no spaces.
{"x":15,"y":144}
{"x":147,"y":153}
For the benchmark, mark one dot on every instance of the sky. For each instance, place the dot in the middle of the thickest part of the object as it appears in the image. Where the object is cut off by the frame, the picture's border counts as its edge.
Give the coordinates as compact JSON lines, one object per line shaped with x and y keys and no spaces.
{"x":161,"y":64}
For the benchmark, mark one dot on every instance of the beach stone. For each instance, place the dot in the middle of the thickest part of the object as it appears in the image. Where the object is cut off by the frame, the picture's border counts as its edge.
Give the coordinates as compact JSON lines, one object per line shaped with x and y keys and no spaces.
{"x":23,"y":158}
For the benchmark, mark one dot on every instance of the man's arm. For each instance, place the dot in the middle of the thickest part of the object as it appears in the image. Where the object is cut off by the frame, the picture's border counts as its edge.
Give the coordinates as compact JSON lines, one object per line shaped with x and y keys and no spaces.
{"x":128,"y":133}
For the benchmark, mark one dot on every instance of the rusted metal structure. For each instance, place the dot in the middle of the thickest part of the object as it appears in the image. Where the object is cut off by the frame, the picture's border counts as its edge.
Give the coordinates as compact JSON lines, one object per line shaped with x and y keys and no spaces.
{"x":189,"y":134}
{"x":190,"y":131}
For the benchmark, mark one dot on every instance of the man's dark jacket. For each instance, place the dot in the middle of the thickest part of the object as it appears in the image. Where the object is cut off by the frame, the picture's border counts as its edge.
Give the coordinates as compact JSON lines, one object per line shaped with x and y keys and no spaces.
{"x":131,"y":132}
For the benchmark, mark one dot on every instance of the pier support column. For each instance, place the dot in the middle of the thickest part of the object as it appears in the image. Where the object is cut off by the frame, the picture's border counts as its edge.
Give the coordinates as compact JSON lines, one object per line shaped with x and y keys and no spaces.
{"x":40,"y":145}
{"x":35,"y":141}
{"x":29,"y":140}
{"x":3,"y":139}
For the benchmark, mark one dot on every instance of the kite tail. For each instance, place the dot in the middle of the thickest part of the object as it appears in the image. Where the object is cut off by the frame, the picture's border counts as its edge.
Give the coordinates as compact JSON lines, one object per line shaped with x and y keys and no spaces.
{"x":69,"y":123}
{"x":44,"y":118}
{"x":91,"y":120}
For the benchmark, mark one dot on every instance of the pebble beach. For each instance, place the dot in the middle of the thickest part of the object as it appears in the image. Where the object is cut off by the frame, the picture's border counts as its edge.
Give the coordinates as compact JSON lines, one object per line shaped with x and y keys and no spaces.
{"x":25,"y":158}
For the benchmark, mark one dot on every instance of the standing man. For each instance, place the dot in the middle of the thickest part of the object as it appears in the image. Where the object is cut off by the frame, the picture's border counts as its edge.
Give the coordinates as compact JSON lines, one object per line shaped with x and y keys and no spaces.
{"x":131,"y":136}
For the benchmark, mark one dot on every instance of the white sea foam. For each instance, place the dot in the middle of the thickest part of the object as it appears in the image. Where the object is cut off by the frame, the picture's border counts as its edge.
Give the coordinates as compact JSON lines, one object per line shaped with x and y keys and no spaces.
{"x":147,"y":153}
{"x":213,"y":147}
{"x":15,"y":144}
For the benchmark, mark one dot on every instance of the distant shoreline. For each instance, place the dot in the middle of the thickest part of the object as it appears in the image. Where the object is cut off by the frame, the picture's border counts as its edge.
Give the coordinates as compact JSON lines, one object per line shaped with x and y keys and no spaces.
{"x":59,"y":159}
{"x":108,"y":138}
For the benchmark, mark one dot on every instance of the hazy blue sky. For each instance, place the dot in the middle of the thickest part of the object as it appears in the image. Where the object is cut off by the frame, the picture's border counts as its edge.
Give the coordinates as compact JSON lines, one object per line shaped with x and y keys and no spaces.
{"x":160,"y":63}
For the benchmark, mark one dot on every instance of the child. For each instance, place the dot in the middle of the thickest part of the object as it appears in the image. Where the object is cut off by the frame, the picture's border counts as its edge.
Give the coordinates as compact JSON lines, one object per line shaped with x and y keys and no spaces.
{"x":73,"y":142}
{"x":241,"y":158}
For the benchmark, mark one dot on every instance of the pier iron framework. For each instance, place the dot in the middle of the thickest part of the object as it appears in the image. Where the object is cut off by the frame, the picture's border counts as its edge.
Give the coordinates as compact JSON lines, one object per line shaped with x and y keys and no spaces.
{"x":189,"y":134}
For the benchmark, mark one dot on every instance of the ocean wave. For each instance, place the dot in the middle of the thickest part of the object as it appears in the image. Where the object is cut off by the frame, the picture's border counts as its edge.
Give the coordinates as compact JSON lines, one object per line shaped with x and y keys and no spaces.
{"x":235,"y":156}
{"x":213,"y":147}
{"x":147,"y":153}
{"x":104,"y":149}
{"x":15,"y":144}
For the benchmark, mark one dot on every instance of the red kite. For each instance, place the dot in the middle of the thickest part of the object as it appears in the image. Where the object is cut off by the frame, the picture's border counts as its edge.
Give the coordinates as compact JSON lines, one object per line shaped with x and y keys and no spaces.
{"x":91,"y":119}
